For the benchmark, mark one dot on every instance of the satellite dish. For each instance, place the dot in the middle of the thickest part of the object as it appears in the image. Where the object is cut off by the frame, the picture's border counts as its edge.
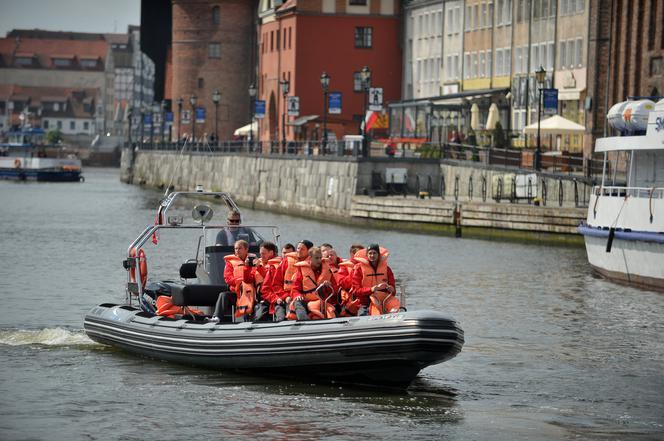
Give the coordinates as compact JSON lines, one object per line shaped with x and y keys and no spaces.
{"x":202,"y":213}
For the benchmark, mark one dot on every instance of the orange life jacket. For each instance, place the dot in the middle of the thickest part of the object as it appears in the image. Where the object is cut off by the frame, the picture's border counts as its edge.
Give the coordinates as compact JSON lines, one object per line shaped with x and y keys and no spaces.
{"x":371,"y":277}
{"x":246,"y":291}
{"x":316,"y":305}
{"x":166,"y":308}
{"x":383,"y":303}
{"x":290,"y":270}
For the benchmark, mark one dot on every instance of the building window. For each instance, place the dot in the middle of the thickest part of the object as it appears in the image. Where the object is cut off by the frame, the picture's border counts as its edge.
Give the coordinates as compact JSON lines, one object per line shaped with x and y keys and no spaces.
{"x":46,"y":124}
{"x":24,"y":61}
{"x":216,"y":16}
{"x":72,"y":125}
{"x":363,"y":37}
{"x":89,"y":64}
{"x":86,"y":125}
{"x":214,"y":50}
{"x":656,"y":66}
{"x":201,"y":83}
{"x":61,"y":62}
{"x":357,"y":82}
{"x":357,"y":2}
{"x":59,"y":125}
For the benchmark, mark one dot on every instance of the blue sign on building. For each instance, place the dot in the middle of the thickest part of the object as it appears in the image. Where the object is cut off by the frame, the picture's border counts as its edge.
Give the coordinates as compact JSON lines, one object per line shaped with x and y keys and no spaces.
{"x":200,"y":115}
{"x":334,"y":102}
{"x":259,"y":110}
{"x":550,"y":101}
{"x":169,"y":117}
{"x":147,"y":119}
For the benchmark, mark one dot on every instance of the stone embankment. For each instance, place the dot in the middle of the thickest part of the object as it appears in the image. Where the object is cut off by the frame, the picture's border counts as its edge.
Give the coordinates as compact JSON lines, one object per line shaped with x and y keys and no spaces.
{"x":353,"y":190}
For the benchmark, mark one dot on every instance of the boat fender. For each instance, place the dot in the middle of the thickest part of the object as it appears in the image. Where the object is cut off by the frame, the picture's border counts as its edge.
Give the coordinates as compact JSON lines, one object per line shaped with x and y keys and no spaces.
{"x":143,"y":265}
{"x":17,"y":163}
{"x":609,"y":242}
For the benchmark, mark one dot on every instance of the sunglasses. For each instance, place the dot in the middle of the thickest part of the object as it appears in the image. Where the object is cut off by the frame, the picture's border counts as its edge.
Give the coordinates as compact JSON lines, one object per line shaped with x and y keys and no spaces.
{"x":234,"y":221}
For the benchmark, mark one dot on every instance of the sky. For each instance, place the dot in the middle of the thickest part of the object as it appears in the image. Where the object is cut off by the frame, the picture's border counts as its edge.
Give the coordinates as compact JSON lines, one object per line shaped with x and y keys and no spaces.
{"x":69,"y":15}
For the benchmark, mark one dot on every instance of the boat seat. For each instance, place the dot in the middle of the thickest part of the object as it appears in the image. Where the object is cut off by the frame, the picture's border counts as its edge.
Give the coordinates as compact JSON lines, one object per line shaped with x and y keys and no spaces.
{"x":195,"y":294}
{"x":188,"y":269}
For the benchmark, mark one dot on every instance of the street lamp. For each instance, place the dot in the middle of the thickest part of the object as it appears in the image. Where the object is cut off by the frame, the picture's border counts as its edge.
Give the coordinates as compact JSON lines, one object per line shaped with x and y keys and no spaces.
{"x":192,"y":101}
{"x":540,"y":75}
{"x":365,"y":76}
{"x":130,"y":115}
{"x":180,"y":101}
{"x":325,"y":84}
{"x":285,"y":87}
{"x":161,"y":126}
{"x":216,"y":97}
{"x":252,"y":96}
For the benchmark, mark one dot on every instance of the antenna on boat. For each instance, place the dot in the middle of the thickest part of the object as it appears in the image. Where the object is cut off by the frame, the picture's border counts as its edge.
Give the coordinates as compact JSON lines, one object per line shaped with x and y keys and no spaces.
{"x":168,"y":187}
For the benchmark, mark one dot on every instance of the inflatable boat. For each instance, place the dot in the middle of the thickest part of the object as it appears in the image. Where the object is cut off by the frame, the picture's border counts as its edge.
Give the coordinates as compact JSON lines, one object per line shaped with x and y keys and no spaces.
{"x":386,"y":350}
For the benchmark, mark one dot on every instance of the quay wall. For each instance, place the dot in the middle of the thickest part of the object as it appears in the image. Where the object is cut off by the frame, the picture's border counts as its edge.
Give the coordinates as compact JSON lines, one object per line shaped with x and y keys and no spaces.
{"x":344,"y":190}
{"x":290,"y":185}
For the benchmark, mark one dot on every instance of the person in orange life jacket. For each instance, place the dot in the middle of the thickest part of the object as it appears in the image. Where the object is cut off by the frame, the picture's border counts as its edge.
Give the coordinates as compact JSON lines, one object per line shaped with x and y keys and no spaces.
{"x":288,"y":248}
{"x":281,"y":283}
{"x":316,"y":273}
{"x":234,"y":281}
{"x":260,"y":275}
{"x":330,"y":254}
{"x":349,"y":305}
{"x":372,"y":276}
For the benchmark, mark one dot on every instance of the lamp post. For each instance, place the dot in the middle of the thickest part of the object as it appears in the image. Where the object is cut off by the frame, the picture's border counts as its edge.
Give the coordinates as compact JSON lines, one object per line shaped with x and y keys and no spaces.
{"x":192,"y":101}
{"x":130,"y":114}
{"x":161,"y":126}
{"x":285,"y":87}
{"x":179,"y":101}
{"x":216,"y":97}
{"x":365,"y":76}
{"x":325,"y":84}
{"x":540,"y":75}
{"x":142,"y":125}
{"x":252,"y":96}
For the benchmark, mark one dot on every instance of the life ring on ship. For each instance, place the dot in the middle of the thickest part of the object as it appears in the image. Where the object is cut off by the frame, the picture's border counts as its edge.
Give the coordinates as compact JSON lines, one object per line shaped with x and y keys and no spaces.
{"x":17,"y":163}
{"x":143,"y":266}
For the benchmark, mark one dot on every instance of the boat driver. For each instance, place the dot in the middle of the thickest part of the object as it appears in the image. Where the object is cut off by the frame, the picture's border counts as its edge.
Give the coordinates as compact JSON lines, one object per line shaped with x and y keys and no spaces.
{"x":234,"y":232}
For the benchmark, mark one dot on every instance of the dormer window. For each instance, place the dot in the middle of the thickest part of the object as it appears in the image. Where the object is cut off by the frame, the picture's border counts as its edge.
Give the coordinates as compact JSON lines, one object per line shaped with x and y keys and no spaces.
{"x":62,"y":62}
{"x":24,"y":61}
{"x":88,"y":63}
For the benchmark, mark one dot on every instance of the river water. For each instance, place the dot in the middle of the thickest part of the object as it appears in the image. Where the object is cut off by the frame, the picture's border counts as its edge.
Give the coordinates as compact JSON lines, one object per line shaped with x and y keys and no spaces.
{"x":551,"y":352}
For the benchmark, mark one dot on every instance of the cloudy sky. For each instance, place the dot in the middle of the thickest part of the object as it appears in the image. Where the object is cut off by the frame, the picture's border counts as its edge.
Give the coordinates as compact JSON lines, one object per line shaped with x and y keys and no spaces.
{"x":69,"y":15}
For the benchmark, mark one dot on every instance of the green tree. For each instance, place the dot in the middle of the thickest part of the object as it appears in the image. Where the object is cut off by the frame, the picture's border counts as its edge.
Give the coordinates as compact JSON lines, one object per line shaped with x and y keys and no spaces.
{"x":54,"y":136}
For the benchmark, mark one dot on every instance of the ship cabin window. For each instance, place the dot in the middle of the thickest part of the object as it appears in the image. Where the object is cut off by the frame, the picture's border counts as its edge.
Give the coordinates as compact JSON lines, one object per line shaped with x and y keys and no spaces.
{"x":647,"y":169}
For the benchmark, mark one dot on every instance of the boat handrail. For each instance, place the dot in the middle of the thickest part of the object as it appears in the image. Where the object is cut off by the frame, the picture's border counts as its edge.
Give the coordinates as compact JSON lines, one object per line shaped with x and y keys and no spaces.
{"x":169,"y":200}
{"x":635,"y":192}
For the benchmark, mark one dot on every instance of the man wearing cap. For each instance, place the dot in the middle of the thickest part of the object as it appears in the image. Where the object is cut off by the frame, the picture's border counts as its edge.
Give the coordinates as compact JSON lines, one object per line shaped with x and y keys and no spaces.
{"x":234,"y":232}
{"x":370,"y":275}
{"x":282,"y":280}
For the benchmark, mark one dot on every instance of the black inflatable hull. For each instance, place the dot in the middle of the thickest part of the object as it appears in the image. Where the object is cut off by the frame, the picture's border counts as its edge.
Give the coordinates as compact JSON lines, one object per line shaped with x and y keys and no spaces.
{"x":388,"y":350}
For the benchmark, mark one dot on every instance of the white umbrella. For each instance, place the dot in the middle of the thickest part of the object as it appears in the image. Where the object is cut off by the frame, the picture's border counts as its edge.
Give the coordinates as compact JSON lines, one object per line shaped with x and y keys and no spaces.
{"x":244,"y":130}
{"x":475,"y":117}
{"x":492,"y":119}
{"x":555,"y":125}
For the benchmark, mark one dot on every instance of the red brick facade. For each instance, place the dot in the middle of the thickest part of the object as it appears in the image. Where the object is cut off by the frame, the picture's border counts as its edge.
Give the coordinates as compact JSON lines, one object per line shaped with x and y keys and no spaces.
{"x":213,"y":43}
{"x":626,"y":54}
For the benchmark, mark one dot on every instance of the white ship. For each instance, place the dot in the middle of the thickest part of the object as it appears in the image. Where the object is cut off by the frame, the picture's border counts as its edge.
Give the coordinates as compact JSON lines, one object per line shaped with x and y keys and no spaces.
{"x":624,"y":229}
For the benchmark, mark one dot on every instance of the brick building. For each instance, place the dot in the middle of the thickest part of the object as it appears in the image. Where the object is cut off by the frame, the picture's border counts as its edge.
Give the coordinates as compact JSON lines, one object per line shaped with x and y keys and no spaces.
{"x":299,"y":40}
{"x":212,"y":49}
{"x":626,"y":46}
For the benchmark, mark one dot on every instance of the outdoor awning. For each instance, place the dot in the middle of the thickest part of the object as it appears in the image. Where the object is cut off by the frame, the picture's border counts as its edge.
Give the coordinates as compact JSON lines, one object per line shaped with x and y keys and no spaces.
{"x":302,"y":120}
{"x":244,"y":130}
{"x":555,"y":125}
